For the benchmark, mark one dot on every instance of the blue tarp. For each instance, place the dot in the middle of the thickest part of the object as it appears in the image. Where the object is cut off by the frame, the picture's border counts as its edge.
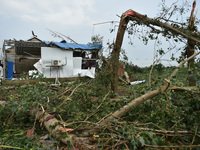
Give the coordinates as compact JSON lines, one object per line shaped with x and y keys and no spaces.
{"x":10,"y":70}
{"x":64,"y":45}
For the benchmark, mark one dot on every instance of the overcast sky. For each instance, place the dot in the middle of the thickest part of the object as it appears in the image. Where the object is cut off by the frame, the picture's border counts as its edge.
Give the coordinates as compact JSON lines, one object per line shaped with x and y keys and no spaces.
{"x":75,"y":18}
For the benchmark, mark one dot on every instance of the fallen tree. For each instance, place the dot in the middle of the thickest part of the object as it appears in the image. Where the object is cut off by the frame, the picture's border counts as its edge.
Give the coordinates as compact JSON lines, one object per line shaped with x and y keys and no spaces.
{"x":58,"y":129}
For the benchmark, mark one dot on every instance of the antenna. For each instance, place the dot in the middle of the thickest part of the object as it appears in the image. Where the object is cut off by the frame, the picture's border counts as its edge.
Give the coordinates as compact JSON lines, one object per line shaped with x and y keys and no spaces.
{"x":60,"y":35}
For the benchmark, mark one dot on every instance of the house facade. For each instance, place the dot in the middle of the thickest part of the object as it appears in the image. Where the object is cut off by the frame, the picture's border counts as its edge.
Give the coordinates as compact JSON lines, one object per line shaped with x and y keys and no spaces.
{"x":52,"y":59}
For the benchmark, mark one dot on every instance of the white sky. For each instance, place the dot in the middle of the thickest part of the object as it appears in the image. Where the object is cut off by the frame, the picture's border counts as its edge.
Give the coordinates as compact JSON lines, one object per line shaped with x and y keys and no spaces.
{"x":75,"y":18}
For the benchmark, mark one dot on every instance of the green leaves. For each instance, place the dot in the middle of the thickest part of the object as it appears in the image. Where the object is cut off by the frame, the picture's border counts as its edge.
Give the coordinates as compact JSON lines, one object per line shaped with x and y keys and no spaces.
{"x":171,"y":110}
{"x":161,"y":52}
{"x":10,"y":147}
{"x":141,"y":139}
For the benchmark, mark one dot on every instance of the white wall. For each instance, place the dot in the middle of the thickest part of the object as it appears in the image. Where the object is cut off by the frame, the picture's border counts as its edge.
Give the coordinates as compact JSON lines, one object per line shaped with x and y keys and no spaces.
{"x":48,"y":54}
{"x":77,"y":64}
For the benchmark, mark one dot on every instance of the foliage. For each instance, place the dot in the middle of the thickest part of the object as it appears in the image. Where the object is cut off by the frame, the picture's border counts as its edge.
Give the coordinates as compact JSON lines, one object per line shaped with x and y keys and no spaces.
{"x":92,"y":101}
{"x":176,"y":14}
{"x":130,"y":68}
{"x":159,"y":67}
{"x":171,"y":111}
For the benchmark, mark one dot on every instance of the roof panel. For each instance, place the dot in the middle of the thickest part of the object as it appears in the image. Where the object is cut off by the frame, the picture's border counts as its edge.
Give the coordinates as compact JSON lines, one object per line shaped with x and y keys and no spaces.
{"x":89,"y":46}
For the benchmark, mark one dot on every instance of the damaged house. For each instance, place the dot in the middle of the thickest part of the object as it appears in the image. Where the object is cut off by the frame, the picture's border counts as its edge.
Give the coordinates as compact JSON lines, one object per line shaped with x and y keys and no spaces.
{"x":52,"y":59}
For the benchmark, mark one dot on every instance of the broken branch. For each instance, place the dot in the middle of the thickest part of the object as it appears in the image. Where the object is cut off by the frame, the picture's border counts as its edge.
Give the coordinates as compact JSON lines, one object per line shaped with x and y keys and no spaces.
{"x":119,"y":113}
{"x":169,"y":132}
{"x":181,"y":146}
{"x":53,"y":126}
{"x":97,"y":107}
{"x":69,"y":95}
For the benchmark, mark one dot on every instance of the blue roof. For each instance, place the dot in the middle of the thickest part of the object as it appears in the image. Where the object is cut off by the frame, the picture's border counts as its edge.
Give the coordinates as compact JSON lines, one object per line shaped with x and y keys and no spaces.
{"x":64,"y":45}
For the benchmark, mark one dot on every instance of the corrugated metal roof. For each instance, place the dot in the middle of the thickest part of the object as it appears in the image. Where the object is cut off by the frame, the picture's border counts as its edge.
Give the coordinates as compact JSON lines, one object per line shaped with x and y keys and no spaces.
{"x":89,"y":46}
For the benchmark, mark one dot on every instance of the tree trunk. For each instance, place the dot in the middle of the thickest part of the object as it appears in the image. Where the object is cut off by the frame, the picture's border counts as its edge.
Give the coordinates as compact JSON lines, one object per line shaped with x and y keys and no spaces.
{"x":116,"y":51}
{"x":143,"y":19}
{"x":136,"y":102}
{"x":55,"y":127}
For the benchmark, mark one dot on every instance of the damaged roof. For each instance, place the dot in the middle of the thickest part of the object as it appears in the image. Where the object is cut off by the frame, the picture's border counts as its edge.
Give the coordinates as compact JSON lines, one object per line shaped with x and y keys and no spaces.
{"x":65,"y":45}
{"x":34,"y":47}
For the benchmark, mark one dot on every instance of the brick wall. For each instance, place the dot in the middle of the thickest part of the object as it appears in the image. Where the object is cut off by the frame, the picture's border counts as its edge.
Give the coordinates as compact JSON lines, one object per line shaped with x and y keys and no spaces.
{"x":24,"y":65}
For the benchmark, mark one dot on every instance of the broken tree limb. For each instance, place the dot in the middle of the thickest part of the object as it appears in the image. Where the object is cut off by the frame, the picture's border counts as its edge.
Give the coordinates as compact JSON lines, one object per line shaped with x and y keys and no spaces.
{"x":151,"y":71}
{"x":182,"y":63}
{"x":86,"y":122}
{"x":131,"y":15}
{"x":168,"y":132}
{"x":169,"y":147}
{"x":69,"y":95}
{"x":150,"y":21}
{"x":97,"y":107}
{"x":190,"y":89}
{"x":3,"y":103}
{"x":119,"y":113}
{"x":55,"y":127}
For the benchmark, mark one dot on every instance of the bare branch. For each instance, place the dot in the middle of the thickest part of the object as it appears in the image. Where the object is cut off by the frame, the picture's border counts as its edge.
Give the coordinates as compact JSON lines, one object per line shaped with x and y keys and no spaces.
{"x":167,"y":147}
{"x":69,"y":96}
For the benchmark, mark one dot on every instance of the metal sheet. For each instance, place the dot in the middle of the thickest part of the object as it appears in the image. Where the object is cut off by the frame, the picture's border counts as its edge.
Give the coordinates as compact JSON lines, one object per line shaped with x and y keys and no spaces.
{"x":89,"y":46}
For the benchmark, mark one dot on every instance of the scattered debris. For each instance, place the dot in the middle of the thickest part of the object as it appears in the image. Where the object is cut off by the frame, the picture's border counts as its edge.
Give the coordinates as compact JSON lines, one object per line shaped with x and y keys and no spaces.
{"x":137,"y":82}
{"x":3,"y":103}
{"x":30,"y":133}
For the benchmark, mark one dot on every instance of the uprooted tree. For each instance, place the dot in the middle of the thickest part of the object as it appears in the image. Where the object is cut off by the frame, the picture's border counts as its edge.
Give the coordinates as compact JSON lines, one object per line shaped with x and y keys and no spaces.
{"x":173,"y":30}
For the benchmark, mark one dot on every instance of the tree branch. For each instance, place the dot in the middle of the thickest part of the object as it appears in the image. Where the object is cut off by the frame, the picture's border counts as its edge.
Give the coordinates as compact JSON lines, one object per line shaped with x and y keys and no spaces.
{"x":55,"y":126}
{"x":169,"y":132}
{"x":119,"y":113}
{"x":146,"y":20}
{"x":181,"y":146}
{"x":69,"y":96}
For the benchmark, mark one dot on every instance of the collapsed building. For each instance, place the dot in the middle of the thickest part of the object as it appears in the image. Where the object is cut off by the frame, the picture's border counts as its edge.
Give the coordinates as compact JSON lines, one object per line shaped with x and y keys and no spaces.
{"x":51,"y":59}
